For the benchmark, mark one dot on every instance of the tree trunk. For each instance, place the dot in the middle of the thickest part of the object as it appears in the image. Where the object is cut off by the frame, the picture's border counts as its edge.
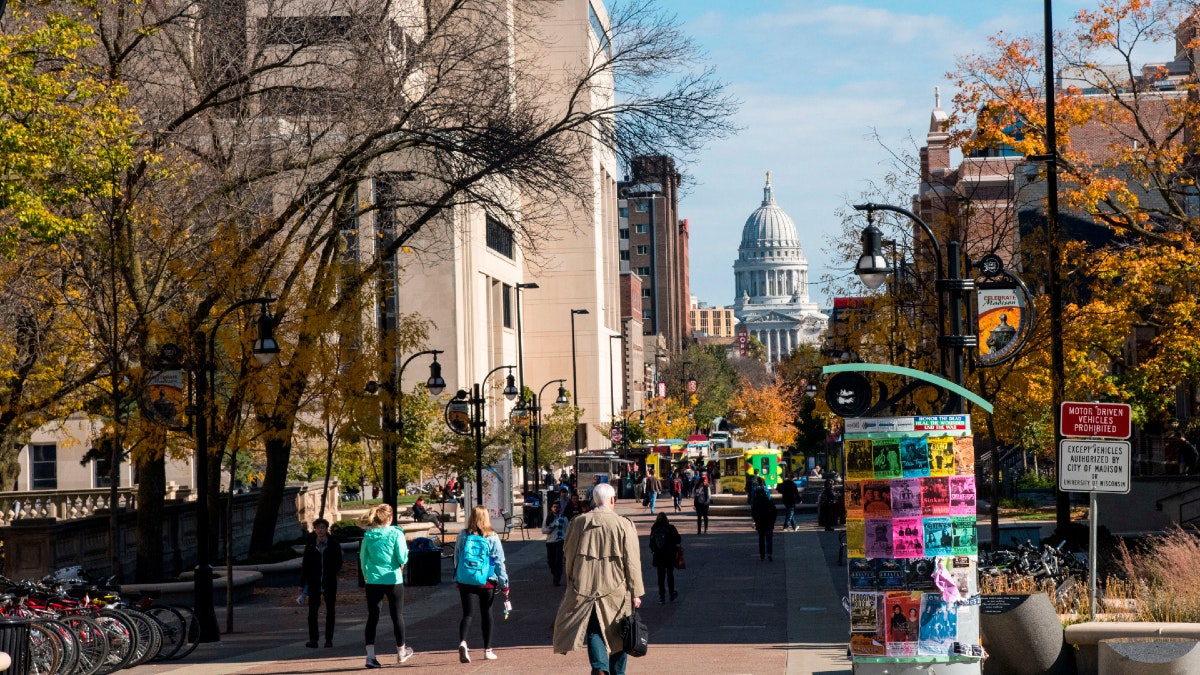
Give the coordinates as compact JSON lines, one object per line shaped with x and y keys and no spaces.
{"x":279,"y":451}
{"x":152,"y":487}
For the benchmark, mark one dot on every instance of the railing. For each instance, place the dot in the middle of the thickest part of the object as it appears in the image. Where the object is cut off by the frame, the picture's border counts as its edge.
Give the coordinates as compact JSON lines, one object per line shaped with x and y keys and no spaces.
{"x":61,"y":504}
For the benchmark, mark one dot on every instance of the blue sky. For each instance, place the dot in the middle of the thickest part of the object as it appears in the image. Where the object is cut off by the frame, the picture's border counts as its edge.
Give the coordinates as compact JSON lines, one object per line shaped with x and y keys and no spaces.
{"x":815,"y":79}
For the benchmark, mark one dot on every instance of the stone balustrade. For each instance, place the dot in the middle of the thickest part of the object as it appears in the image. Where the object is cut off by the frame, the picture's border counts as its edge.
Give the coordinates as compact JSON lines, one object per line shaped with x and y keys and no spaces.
{"x":61,"y":504}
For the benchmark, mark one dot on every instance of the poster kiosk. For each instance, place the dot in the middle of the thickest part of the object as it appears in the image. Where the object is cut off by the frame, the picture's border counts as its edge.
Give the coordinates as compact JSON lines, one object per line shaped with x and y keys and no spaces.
{"x":912,"y":544}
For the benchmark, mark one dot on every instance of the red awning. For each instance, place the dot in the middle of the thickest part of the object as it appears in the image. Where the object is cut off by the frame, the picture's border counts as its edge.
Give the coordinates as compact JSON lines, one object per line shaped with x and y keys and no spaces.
{"x":697,"y":438}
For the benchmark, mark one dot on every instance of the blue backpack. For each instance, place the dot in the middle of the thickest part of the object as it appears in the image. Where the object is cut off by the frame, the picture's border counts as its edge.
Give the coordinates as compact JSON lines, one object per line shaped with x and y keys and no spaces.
{"x":474,"y":561}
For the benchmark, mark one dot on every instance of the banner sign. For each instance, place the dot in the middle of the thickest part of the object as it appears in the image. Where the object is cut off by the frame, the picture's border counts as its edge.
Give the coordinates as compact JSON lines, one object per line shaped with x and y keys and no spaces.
{"x":164,"y":398}
{"x":1001,"y":318}
{"x":892,"y":425}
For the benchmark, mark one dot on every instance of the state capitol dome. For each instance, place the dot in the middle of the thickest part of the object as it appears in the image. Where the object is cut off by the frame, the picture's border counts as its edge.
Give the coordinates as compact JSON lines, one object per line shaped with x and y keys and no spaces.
{"x":769,"y":226}
{"x":771,"y":282}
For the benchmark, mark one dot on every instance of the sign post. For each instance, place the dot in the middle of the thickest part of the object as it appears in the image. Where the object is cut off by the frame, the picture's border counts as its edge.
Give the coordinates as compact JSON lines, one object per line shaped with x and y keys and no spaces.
{"x":1086,"y":464}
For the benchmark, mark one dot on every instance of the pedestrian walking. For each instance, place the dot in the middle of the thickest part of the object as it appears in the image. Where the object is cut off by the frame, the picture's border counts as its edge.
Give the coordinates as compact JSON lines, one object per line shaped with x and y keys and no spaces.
{"x":604,"y":583}
{"x":677,"y":493}
{"x":479,"y":572}
{"x":789,"y":494}
{"x":702,"y":499}
{"x":319,"y":569}
{"x":763,"y":511}
{"x":555,"y":530}
{"x":382,"y":556}
{"x":653,"y":487}
{"x":664,"y":550}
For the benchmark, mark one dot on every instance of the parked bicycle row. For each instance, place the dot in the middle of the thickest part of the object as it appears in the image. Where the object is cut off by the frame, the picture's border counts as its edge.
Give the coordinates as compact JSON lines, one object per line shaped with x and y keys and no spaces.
{"x":82,"y":628}
{"x":1034,"y":562}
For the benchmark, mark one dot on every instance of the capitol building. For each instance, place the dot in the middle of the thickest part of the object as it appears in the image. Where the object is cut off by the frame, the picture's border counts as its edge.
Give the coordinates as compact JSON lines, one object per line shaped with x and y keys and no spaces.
{"x":771,"y":280}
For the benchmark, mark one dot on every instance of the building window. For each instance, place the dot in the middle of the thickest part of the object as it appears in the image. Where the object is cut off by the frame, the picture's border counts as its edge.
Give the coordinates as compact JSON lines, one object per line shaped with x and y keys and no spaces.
{"x":102,"y":472}
{"x":624,"y":232}
{"x":643,"y":250}
{"x":647,"y":314}
{"x":642,"y":206}
{"x":43,"y":465}
{"x":640,"y":228}
{"x":643,"y":271}
{"x":506,"y":303}
{"x":598,"y":30}
{"x":622,"y":211}
{"x":499,"y":237}
{"x":625,"y":255}
{"x":645,"y":292}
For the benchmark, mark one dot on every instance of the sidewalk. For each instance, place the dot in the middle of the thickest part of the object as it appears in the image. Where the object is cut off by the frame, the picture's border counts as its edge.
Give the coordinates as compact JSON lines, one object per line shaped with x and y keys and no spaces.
{"x":734,"y":614}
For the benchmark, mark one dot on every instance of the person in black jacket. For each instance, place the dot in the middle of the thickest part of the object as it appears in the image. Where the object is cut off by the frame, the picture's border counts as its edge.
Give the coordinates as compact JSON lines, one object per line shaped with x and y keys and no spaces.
{"x":664,"y":546}
{"x":318,"y":577}
{"x":763,"y":511}
{"x":789,"y":493}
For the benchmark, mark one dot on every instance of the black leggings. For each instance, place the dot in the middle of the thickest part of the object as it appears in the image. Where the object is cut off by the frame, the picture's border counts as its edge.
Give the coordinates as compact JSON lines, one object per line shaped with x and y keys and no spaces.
{"x":486,"y":596}
{"x":666,"y":574}
{"x":395,"y":598}
{"x":701,"y":518}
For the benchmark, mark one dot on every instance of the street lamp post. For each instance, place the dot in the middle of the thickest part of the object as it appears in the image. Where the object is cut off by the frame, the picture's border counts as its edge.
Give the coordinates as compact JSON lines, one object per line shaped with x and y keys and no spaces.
{"x":537,"y":424}
{"x":521,"y":377}
{"x":393,"y":422}
{"x":475,"y":399}
{"x":575,"y":388}
{"x":265,"y":349}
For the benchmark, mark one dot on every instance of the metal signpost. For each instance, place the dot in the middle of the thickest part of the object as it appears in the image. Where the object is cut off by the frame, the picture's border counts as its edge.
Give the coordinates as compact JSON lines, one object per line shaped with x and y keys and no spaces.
{"x":1094,"y":463}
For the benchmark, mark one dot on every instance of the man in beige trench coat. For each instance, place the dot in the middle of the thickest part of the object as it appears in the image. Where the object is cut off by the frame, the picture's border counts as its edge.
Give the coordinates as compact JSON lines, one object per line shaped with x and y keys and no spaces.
{"x":604,"y":577}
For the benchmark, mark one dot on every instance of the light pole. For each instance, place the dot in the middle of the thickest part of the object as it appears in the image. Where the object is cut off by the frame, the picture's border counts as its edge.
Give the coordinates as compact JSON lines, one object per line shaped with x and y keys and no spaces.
{"x":612,"y":387}
{"x":265,"y":349}
{"x":537,"y":424}
{"x":476,"y":421}
{"x":521,"y":378}
{"x":393,"y":422}
{"x":575,"y":389}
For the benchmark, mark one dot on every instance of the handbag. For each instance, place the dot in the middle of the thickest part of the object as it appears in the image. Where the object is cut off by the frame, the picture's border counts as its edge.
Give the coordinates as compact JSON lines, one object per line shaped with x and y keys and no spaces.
{"x":646,"y":499}
{"x":634,"y":635}
{"x":680,"y":563}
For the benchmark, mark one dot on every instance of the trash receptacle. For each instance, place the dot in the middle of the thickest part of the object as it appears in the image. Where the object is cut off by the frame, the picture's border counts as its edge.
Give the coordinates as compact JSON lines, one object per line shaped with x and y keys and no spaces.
{"x":14,"y":641}
{"x":533,"y":509}
{"x":626,"y":487}
{"x":424,"y":563}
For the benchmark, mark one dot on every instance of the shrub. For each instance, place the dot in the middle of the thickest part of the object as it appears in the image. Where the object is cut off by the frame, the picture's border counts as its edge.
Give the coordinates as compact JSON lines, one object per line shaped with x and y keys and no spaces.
{"x":1033,"y":480}
{"x":1165,"y":571}
{"x":346,"y":530}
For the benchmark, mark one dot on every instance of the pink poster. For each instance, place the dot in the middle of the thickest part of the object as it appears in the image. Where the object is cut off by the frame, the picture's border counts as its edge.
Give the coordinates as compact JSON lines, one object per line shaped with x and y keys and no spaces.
{"x":908,"y":540}
{"x":877,"y":537}
{"x":935,"y":496}
{"x":962,"y":495}
{"x":906,"y":497}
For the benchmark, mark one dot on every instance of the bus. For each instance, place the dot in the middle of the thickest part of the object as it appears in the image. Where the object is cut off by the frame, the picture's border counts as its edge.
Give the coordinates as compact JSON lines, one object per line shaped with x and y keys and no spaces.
{"x":766,"y":463}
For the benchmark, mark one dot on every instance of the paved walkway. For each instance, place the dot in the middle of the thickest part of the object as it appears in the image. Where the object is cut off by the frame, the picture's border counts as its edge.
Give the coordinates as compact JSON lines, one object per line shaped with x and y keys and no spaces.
{"x":735,"y":614}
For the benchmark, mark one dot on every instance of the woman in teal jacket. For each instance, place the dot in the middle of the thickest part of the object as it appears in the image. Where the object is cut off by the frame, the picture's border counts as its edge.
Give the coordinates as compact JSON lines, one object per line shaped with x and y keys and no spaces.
{"x":381,"y":557}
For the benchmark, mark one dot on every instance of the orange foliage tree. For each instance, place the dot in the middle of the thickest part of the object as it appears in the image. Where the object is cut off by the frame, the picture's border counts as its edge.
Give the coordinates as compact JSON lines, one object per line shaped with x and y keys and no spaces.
{"x":766,"y":414}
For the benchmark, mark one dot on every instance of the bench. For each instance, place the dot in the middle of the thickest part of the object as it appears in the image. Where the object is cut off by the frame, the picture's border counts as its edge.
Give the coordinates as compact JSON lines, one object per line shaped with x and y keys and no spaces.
{"x":1087,"y":637}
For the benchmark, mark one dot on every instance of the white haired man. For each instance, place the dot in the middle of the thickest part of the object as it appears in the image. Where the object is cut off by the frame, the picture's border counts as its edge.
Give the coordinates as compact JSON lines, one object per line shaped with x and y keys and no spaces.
{"x":602,"y":586}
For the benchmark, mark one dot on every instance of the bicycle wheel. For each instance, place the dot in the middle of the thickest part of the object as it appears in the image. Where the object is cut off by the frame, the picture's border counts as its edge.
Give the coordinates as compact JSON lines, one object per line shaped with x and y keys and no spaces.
{"x":149,"y":637}
{"x":174,"y":630}
{"x":191,"y":638}
{"x":45,"y":650}
{"x":93,"y":644}
{"x":70,"y":645}
{"x":122,"y":640}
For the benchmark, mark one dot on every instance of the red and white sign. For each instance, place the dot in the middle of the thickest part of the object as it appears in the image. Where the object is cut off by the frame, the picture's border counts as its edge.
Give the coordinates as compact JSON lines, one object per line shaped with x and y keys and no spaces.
{"x":1095,"y":420}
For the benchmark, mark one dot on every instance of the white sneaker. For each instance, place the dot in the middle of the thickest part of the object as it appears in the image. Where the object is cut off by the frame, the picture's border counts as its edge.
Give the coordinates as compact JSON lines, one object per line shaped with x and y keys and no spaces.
{"x":464,"y":656}
{"x":490,"y":655}
{"x":405,"y":653}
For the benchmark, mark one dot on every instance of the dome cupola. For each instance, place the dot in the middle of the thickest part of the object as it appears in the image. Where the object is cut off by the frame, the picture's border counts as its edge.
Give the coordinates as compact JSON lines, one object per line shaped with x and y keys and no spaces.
{"x":769,"y":226}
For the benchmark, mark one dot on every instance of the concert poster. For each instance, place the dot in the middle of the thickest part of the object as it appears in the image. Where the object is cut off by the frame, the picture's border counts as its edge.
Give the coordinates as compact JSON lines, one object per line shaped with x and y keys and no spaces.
{"x":891,"y":574}
{"x":862,"y":574}
{"x":939,"y":626}
{"x":860,"y":461}
{"x":907,"y":538}
{"x":855,"y":548}
{"x":886,"y":452}
{"x":938,"y":536}
{"x":935,"y":496}
{"x":914,"y":457}
{"x":877,"y":499}
{"x":864,"y":611}
{"x":854,"y":503}
{"x":906,"y":498}
{"x":964,"y":535}
{"x":941,"y":456}
{"x":964,"y":456}
{"x":962,"y":495}
{"x":903,"y":623}
{"x":877,"y":537}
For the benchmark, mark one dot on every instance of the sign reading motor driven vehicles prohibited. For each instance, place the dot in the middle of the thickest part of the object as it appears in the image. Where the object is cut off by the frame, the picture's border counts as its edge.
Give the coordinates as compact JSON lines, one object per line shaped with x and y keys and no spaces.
{"x":1093,"y":466}
{"x":1095,"y":420}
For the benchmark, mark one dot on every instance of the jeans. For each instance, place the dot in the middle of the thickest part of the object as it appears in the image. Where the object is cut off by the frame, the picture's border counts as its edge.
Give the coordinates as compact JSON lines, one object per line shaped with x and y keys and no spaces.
{"x":789,"y":519}
{"x":766,"y":542}
{"x":554,"y":557}
{"x":395,"y":598}
{"x":486,"y":596}
{"x":314,"y":605}
{"x":678,"y":499}
{"x":613,"y":664}
{"x":653,"y":499}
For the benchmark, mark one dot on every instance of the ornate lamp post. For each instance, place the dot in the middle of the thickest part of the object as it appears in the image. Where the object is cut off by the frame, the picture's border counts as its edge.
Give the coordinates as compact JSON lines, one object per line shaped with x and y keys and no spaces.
{"x":265,"y":350}
{"x":464,"y":414}
{"x":537,"y":424}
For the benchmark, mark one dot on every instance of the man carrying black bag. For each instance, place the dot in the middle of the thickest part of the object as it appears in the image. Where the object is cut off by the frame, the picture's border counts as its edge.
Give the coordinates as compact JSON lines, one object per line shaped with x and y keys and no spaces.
{"x":604,"y":585}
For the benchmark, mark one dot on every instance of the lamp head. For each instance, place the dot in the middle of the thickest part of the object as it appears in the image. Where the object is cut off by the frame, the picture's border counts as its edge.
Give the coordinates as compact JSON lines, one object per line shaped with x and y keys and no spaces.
{"x":265,"y":347}
{"x":510,"y":386}
{"x":562,"y":396}
{"x":580,"y":311}
{"x":872,"y":267}
{"x":435,"y":384}
{"x":529,"y":286}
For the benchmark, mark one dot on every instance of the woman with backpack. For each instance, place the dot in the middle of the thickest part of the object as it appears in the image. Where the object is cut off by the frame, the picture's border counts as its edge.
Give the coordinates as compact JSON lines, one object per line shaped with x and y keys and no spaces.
{"x":763,"y":511}
{"x":702,"y":499}
{"x":479,"y":572}
{"x":381,"y":557}
{"x":664,"y":547}
{"x":677,"y":492}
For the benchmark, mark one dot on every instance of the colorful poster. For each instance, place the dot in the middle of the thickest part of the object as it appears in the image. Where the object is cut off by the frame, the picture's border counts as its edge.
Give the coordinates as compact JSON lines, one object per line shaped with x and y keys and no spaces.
{"x":890,"y":574}
{"x":854,"y":503}
{"x":877,"y":499}
{"x":920,"y":574}
{"x":938,"y":536}
{"x":860,"y":462}
{"x":964,"y":571}
{"x":887,"y":458}
{"x":865,"y":644}
{"x":862,"y":574}
{"x":964,"y":456}
{"x":914,"y":457}
{"x":877,"y":537}
{"x":941,"y":456}
{"x":1000,"y":321}
{"x":908,"y":540}
{"x":935,"y":496}
{"x":939,"y":626}
{"x":855,"y":548}
{"x":864,"y":611}
{"x":964,"y":535}
{"x":906,"y":498}
{"x":904,"y":623}
{"x":962,"y":495}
